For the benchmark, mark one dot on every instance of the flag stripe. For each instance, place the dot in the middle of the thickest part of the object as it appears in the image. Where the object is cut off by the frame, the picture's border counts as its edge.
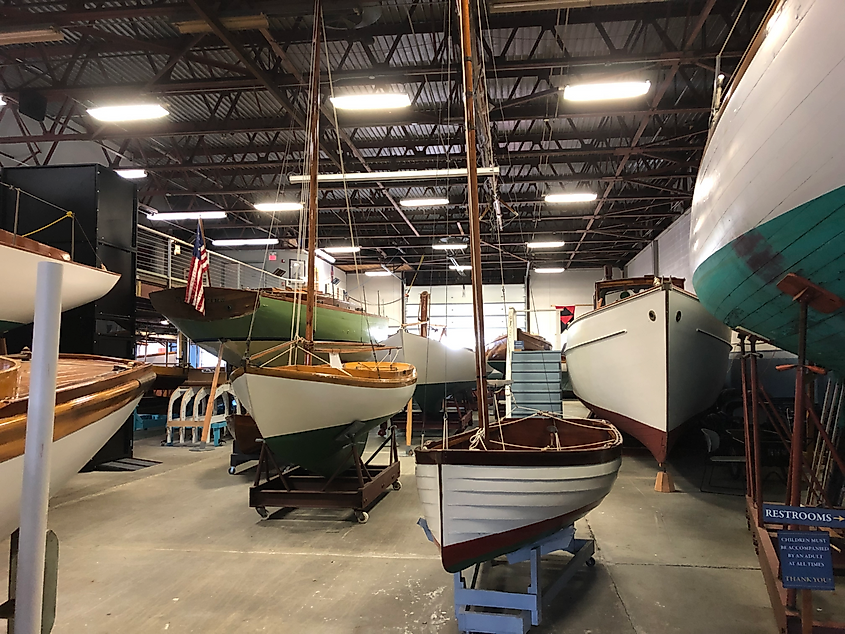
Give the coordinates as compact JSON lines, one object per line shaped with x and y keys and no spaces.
{"x":194,"y":292}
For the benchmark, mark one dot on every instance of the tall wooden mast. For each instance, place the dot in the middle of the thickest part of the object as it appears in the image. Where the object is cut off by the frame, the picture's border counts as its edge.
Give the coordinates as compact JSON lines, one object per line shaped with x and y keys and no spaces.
{"x":314,"y":154}
{"x":474,"y":221}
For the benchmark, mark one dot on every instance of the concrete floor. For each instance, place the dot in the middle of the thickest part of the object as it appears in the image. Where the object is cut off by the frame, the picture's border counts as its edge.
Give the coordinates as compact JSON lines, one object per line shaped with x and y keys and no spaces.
{"x":176,"y":548}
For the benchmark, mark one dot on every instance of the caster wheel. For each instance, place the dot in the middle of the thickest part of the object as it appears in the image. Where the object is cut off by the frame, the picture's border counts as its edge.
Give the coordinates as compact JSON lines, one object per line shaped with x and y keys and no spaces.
{"x":362,"y":516}
{"x":262,"y":511}
{"x":231,"y":471}
{"x":397,"y":485}
{"x":591,"y":562}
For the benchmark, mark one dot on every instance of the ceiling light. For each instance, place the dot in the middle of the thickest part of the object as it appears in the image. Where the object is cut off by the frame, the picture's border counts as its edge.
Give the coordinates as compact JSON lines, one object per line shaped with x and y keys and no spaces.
{"x":246,"y":242}
{"x":378,"y":273}
{"x":325,"y":256}
{"x":135,"y":112}
{"x":400,"y":175}
{"x":132,"y":174}
{"x":381,"y":101}
{"x":424,"y":202}
{"x":552,"y":244}
{"x":278,"y":206}
{"x":164,"y":322}
{"x":233,"y":23}
{"x":188,"y":215}
{"x":551,"y":269}
{"x":460,"y":267}
{"x":2,"y":101}
{"x":573,"y":197}
{"x":30,"y":35}
{"x":346,"y":249}
{"x":448,"y":246}
{"x":606,"y":91}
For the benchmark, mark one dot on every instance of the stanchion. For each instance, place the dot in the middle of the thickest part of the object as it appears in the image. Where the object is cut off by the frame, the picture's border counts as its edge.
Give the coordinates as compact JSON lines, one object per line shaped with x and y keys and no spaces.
{"x":39,"y":442}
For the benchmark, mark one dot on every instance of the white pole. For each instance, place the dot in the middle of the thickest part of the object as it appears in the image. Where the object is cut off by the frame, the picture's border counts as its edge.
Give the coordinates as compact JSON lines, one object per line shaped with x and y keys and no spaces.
{"x":39,"y":442}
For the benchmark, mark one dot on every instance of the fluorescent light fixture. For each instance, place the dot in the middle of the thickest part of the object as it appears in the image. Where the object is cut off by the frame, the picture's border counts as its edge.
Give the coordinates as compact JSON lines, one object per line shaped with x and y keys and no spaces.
{"x":378,"y":101}
{"x":572,"y":197}
{"x":188,"y":215}
{"x":278,"y":206}
{"x":325,"y":256}
{"x":550,"y":269}
{"x":551,"y":244}
{"x":400,"y":175}
{"x":606,"y":91}
{"x":381,"y":273}
{"x":2,"y":101}
{"x":246,"y":242}
{"x":135,"y":112}
{"x":133,"y":174}
{"x":460,"y":267}
{"x":30,"y":35}
{"x":347,"y":249}
{"x":448,"y":246}
{"x":234,"y":23}
{"x":424,"y":202}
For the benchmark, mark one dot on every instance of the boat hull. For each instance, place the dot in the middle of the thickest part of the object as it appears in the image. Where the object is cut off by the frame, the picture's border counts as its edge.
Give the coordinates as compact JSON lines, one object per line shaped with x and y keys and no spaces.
{"x":441,"y":371}
{"x":304,"y":421}
{"x":80,"y":284}
{"x":769,"y":198}
{"x":482,"y":503}
{"x":649,"y":363}
{"x":95,"y":396}
{"x":265,"y":320}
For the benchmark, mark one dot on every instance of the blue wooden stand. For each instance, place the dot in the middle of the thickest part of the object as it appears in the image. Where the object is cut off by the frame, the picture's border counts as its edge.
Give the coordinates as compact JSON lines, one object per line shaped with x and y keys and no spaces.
{"x":472,"y":605}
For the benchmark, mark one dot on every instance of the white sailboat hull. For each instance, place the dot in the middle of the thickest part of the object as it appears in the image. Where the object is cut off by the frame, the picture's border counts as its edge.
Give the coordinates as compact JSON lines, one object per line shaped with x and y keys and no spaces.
{"x":69,"y":455}
{"x":779,"y":142}
{"x":649,"y":376}
{"x":283,"y":406}
{"x":476,"y":512}
{"x":80,"y":284}
{"x":436,"y":363}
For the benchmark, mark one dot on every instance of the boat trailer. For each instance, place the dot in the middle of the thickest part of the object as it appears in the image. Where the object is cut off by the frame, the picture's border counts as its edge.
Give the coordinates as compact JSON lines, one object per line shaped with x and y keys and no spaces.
{"x":479,"y":610}
{"x":357,"y":489}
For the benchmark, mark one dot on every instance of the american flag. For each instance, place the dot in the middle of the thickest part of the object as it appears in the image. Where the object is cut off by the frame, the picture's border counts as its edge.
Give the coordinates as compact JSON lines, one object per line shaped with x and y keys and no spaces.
{"x":194,"y":294}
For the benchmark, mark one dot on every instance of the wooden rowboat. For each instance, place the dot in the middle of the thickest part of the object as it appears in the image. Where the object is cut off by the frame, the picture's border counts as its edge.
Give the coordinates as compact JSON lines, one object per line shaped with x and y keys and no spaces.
{"x":94,"y":397}
{"x":492,"y":490}
{"x":529,"y":478}
{"x":312,"y":415}
{"x":19,"y":258}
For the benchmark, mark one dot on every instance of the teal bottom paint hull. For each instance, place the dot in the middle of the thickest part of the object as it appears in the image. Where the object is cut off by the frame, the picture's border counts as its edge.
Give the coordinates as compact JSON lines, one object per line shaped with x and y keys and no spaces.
{"x":321,"y":451}
{"x":430,"y":397}
{"x":738,"y":283}
{"x":6,"y":326}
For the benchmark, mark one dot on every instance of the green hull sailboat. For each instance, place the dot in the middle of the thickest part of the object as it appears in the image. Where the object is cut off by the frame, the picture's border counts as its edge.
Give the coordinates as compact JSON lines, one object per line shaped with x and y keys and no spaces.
{"x":264,"y":317}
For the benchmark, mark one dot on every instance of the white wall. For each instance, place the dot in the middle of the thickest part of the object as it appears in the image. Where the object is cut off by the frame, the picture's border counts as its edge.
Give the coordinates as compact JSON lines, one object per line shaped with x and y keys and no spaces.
{"x":672,"y":254}
{"x":260,"y":258}
{"x":572,"y":287}
{"x":381,"y":295}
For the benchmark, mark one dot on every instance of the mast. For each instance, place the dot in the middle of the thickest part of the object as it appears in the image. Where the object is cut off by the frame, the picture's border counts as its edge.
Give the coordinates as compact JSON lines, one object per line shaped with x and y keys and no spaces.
{"x":474,"y":221}
{"x":314,"y":148}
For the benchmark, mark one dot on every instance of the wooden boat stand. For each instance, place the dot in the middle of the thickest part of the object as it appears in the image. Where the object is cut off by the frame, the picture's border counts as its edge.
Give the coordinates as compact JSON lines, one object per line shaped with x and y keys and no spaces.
{"x":790,"y":618}
{"x":293,"y":487}
{"x":478,"y":610}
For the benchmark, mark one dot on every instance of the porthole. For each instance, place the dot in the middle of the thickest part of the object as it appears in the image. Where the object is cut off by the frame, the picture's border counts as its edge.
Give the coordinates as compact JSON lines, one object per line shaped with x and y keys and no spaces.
{"x":678,"y":316}
{"x":651,"y":315}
